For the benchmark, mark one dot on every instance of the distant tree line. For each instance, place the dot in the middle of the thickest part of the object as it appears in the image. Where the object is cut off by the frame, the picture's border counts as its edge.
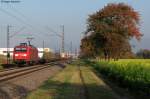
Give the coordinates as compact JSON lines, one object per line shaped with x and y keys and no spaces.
{"x":109,"y":31}
{"x":143,"y":53}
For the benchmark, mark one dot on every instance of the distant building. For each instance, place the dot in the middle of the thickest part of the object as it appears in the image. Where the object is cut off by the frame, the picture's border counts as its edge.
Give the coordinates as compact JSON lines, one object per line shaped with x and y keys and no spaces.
{"x":40,"y":50}
{"x":3,"y":51}
{"x":69,"y":55}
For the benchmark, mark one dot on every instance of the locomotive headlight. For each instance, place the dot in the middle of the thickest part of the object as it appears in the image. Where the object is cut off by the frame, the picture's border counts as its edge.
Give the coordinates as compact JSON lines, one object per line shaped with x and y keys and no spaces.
{"x":16,"y":54}
{"x":24,"y":54}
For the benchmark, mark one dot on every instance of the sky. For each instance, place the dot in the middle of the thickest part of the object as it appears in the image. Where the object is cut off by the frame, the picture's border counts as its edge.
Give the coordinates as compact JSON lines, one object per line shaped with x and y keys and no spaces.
{"x":42,"y":19}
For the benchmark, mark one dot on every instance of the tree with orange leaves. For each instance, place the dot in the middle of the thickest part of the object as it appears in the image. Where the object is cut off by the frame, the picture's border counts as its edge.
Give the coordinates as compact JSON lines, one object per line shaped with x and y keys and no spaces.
{"x":113,"y":27}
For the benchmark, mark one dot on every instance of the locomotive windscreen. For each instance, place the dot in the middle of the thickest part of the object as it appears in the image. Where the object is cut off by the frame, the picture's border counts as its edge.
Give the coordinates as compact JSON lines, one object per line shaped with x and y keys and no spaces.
{"x":20,"y":49}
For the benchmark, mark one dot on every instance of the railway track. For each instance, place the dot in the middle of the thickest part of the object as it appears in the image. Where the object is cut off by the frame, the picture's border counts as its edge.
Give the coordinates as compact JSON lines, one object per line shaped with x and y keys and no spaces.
{"x":15,"y":68}
{"x":13,"y":73}
{"x":3,"y":70}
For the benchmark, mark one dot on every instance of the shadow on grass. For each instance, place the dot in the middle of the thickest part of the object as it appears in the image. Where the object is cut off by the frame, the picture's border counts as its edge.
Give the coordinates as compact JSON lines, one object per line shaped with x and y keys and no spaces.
{"x":60,"y":90}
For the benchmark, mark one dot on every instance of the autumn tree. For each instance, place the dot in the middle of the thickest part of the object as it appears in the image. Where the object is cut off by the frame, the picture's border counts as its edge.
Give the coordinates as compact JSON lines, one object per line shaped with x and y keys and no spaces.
{"x":111,"y":28}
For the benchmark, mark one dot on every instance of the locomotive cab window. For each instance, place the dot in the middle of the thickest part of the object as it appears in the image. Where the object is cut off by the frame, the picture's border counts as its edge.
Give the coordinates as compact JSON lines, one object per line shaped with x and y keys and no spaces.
{"x":20,"y":49}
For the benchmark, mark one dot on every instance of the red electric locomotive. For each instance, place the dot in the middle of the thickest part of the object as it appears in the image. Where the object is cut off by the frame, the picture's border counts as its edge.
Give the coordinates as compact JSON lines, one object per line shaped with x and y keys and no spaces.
{"x":25,"y":54}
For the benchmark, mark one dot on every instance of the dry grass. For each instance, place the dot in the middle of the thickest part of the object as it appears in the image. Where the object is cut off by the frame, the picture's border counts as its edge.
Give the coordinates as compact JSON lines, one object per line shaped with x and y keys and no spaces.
{"x":65,"y":85}
{"x":74,"y":82}
{"x":96,"y":87}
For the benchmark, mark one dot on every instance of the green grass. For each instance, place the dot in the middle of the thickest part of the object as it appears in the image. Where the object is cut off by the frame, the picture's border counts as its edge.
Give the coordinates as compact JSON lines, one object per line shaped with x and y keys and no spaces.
{"x":132,"y":74}
{"x":65,"y":85}
{"x":96,"y":87}
{"x":74,"y":82}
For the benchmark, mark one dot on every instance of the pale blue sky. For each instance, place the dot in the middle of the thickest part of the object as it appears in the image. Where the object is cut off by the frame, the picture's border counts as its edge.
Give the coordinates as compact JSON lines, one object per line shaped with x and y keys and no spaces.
{"x":36,"y":15}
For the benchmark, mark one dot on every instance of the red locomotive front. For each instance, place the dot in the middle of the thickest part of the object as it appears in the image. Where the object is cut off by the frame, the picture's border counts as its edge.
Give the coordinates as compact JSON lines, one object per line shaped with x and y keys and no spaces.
{"x":25,"y":54}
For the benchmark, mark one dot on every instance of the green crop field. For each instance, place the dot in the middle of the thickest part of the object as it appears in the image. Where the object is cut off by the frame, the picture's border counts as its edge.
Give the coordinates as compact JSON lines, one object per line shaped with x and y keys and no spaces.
{"x":133,"y":74}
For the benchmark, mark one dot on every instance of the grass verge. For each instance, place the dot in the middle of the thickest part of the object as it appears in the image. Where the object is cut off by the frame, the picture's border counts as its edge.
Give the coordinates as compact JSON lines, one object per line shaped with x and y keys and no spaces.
{"x":65,"y":85}
{"x":74,"y":82}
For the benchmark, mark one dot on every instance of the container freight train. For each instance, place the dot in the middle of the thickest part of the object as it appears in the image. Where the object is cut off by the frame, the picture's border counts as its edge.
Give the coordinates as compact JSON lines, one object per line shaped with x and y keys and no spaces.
{"x":25,"y":54}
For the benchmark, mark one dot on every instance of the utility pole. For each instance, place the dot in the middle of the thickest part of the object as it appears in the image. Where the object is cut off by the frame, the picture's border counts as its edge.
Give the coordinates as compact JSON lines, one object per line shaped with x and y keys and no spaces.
{"x":63,"y":40}
{"x":70,"y":48}
{"x":9,"y":36}
{"x":8,"y":44}
{"x":8,"y":30}
{"x":43,"y":49}
{"x":62,"y":36}
{"x":43,"y":45}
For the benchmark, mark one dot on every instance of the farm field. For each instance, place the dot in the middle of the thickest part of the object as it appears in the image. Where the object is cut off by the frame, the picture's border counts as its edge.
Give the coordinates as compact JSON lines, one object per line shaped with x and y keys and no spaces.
{"x":131,"y":74}
{"x":74,"y":82}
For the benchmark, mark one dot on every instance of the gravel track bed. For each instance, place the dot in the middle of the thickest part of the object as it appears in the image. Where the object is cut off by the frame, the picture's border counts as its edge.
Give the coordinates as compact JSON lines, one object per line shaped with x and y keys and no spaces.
{"x":19,"y":87}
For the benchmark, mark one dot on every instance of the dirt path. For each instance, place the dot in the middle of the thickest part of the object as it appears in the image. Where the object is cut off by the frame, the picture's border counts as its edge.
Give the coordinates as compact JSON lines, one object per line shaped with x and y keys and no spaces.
{"x":19,"y":87}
